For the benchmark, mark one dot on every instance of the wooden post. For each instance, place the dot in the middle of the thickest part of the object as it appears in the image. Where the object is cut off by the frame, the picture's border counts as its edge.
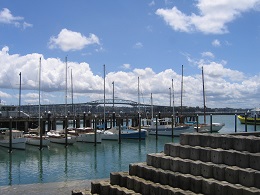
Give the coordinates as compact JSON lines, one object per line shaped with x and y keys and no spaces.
{"x":210,"y":123}
{"x":95,"y":128}
{"x":172,"y":127}
{"x":255,"y":123}
{"x":235,"y":123}
{"x":139,"y":127}
{"x":245,"y":122}
{"x":10,"y":135}
{"x":197,"y":123}
{"x":156,"y":124}
{"x":119,"y":129}
{"x":66,"y":131}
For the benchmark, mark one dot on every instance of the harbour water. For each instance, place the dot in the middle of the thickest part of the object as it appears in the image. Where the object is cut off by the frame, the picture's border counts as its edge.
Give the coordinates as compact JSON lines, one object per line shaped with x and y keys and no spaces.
{"x":84,"y":161}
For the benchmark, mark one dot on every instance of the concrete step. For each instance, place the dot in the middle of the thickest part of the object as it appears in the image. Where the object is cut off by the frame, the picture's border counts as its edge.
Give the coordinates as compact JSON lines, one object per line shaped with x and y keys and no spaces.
{"x":236,"y":142}
{"x":196,"y":184}
{"x":245,"y":176}
{"x":143,"y":186}
{"x":106,"y":188}
{"x":242,"y":159}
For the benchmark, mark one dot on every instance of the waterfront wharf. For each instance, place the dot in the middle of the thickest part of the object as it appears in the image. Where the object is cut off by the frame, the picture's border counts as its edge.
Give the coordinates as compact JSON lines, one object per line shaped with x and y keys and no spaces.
{"x":202,"y":163}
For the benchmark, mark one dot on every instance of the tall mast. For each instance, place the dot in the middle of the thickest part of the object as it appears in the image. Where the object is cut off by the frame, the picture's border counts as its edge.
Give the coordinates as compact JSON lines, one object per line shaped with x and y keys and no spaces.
{"x":66,"y":86}
{"x":204,"y":99}
{"x":39,"y":108}
{"x":113,"y":83}
{"x":104,"y":97}
{"x":72,"y":103}
{"x":173,"y":112}
{"x":20,"y":89}
{"x":138,"y":97}
{"x":181,"y":86}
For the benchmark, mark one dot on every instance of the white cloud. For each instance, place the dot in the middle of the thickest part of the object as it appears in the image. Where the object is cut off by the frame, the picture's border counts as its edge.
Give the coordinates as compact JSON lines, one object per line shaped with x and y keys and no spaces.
{"x":6,"y":17}
{"x":224,"y":87}
{"x":138,"y":45}
{"x":216,"y":43}
{"x":126,"y":66}
{"x":212,"y":18}
{"x":69,"y":40}
{"x":207,"y":54}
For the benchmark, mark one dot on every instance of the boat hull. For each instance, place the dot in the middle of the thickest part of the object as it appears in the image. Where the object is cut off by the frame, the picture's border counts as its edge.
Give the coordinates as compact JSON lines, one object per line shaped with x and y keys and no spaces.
{"x":248,"y":120}
{"x":18,"y":143}
{"x":36,"y":141}
{"x":177,"y":131}
{"x":206,"y":128}
{"x":89,"y":137}
{"x":132,"y":134}
{"x":62,"y":140}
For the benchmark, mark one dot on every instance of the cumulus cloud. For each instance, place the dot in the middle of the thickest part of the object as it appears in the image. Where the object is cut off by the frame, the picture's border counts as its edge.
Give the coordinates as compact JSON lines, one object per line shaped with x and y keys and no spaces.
{"x":68,"y":40}
{"x":224,"y":87}
{"x":212,"y":17}
{"x":138,"y":45}
{"x":6,"y":17}
{"x":207,"y":54}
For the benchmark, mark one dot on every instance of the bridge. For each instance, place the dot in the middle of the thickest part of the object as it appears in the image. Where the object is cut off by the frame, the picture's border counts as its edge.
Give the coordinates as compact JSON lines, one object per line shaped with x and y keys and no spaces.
{"x":115,"y":102}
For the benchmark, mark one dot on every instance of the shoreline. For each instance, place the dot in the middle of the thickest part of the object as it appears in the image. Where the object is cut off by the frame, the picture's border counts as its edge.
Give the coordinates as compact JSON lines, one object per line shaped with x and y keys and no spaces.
{"x":48,"y":188}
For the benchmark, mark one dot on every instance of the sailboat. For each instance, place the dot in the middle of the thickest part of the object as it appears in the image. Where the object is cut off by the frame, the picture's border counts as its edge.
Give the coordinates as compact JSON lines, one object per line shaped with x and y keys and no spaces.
{"x":166,"y":125}
{"x":34,"y":136}
{"x":62,"y":136}
{"x":205,"y":127}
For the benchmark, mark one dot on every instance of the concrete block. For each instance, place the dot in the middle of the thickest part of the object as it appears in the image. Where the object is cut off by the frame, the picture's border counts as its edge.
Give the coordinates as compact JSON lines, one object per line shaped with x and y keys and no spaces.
{"x":217,"y":156}
{"x":239,"y":143}
{"x":140,"y":170}
{"x":229,"y":157}
{"x":231,"y":174}
{"x":175,"y":150}
{"x":123,"y":179}
{"x":184,"y":138}
{"x":154,"y":189}
{"x":133,"y":168}
{"x":205,"y":154}
{"x":174,"y":180}
{"x":195,"y":184}
{"x":195,"y":168}
{"x":254,"y":160}
{"x":227,"y":142}
{"x":208,"y":186}
{"x":194,"y":139}
{"x":167,"y":149}
{"x":130,"y":182}
{"x":149,"y":159}
{"x":174,"y":164}
{"x":242,"y":159}
{"x":104,"y":188}
{"x":95,"y":187}
{"x":155,"y":175}
{"x":115,"y":178}
{"x":252,"y":144}
{"x":147,"y":172}
{"x":162,"y":190}
{"x":220,"y":188}
{"x":206,"y":169}
{"x":184,"y":166}
{"x":195,"y":153}
{"x":145,"y":187}
{"x":165,"y":162}
{"x":184,"y":181}
{"x":218,"y":172}
{"x":185,"y":152}
{"x":205,"y":140}
{"x":257,"y":179}
{"x":216,"y":141}
{"x":247,"y":177}
{"x":137,"y":185}
{"x":251,"y":191}
{"x":234,"y":189}
{"x":164,"y":177}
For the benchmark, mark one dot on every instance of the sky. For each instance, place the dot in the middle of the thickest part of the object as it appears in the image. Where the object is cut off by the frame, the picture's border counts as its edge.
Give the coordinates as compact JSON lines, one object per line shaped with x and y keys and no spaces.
{"x":125,"y":40}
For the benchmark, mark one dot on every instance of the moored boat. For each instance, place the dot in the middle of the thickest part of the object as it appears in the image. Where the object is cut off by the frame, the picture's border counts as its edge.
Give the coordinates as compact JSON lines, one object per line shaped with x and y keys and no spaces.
{"x":252,"y":118}
{"x":126,"y":133}
{"x":33,"y":138}
{"x":60,"y":138}
{"x":18,"y":140}
{"x":86,"y":134}
{"x":206,"y":128}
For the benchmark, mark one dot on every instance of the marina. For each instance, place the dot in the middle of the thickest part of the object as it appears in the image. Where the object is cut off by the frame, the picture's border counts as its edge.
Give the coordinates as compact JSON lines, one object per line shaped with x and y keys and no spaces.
{"x":86,"y":161}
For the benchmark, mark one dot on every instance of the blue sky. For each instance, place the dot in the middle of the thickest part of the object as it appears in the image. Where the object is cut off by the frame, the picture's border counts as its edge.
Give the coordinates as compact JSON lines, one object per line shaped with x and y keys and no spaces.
{"x":148,"y":39}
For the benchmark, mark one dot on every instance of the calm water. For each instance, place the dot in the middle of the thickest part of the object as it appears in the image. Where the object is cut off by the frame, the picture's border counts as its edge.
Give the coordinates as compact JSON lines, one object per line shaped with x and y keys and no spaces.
{"x":84,"y":160}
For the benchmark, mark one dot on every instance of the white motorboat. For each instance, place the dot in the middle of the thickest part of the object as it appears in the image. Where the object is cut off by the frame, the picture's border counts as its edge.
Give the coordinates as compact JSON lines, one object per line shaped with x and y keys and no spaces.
{"x":126,"y":133}
{"x":33,"y":138}
{"x":86,"y":134}
{"x":18,"y":140}
{"x":60,"y":138}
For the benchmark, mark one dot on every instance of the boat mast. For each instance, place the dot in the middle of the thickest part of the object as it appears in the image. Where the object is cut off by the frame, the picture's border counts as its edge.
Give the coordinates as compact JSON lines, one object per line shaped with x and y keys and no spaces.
{"x":72,"y":103}
{"x":173,"y":111}
{"x":152,"y":109}
{"x":104,"y":97}
{"x":39,"y":114}
{"x":66,"y":85}
{"x":204,"y":99}
{"x":181,"y":86}
{"x":138,"y":97}
{"x":20,"y":89}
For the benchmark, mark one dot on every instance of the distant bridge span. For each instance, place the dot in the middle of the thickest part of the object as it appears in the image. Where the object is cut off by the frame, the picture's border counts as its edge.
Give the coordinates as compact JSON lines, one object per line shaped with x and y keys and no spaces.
{"x":116,"y":102}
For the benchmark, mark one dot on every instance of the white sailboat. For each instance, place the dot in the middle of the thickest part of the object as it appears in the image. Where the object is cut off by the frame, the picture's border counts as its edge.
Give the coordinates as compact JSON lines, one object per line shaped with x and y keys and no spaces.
{"x":206,"y":127}
{"x":34,"y":136}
